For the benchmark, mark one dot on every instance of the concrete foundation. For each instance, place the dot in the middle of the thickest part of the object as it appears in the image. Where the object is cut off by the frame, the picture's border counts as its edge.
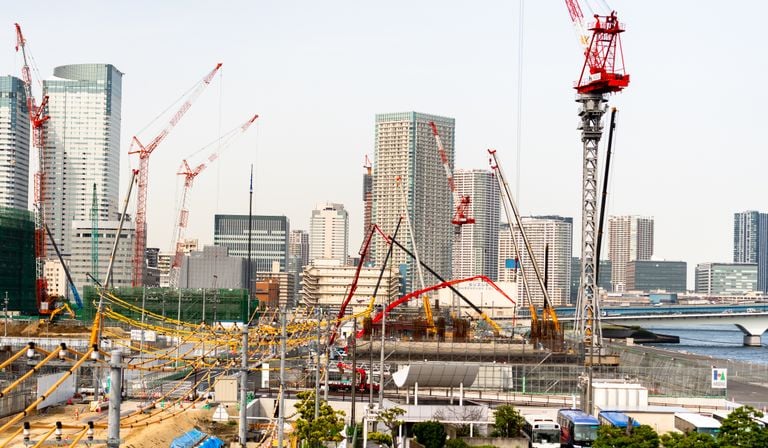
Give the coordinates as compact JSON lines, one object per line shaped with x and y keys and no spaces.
{"x":752,"y":340}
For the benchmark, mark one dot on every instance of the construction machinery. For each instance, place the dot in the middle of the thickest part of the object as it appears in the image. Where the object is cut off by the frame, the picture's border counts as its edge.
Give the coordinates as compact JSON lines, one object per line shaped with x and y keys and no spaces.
{"x":462,"y":203}
{"x":37,"y":118}
{"x":430,"y":321}
{"x":75,"y":294}
{"x":144,"y":152}
{"x":64,"y":307}
{"x":190,"y":174}
{"x":548,"y":331}
{"x":602,"y":73}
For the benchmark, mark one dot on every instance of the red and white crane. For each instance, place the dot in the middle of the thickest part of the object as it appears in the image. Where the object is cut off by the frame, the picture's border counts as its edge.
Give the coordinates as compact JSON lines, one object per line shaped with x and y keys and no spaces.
{"x":144,"y":152}
{"x":602,"y":73}
{"x":190,"y":174}
{"x":37,"y":117}
{"x":462,"y":203}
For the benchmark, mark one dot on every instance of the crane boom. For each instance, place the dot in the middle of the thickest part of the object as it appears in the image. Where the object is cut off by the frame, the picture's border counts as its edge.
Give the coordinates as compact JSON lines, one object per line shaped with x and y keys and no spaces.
{"x":144,"y":152}
{"x":189,"y":177}
{"x":37,"y":119}
{"x":462,"y":203}
{"x":508,"y":203}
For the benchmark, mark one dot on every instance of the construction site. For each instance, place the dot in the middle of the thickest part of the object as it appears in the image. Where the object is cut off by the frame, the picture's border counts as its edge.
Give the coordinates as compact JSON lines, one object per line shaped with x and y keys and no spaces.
{"x":147,"y":366}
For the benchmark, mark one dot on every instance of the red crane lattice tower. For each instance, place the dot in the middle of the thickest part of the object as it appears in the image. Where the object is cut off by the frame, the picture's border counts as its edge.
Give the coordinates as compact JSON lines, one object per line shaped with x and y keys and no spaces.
{"x":462,"y":203}
{"x":190,"y":174}
{"x":144,"y":152}
{"x":37,"y":117}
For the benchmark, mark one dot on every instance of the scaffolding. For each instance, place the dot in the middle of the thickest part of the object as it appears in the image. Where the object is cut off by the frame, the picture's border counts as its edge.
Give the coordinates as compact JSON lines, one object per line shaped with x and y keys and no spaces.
{"x":191,"y":305}
{"x":17,"y":260}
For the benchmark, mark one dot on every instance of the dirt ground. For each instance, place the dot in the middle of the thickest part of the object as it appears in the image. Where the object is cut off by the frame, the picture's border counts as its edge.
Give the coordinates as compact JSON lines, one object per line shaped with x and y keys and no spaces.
{"x":159,"y":434}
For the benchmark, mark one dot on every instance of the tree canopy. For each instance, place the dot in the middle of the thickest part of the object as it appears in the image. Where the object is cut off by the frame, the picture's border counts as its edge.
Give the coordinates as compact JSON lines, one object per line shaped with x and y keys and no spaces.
{"x":640,"y":437}
{"x":327,"y":426}
{"x":431,"y":434}
{"x":508,"y":422}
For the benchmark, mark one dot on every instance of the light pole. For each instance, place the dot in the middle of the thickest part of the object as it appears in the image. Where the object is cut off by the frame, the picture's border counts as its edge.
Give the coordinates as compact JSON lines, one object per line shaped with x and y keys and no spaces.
{"x":317,"y":365}
{"x":281,"y":415}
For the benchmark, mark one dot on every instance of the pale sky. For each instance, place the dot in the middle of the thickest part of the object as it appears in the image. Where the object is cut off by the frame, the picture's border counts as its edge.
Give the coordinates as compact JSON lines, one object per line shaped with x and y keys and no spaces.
{"x":690,"y":149}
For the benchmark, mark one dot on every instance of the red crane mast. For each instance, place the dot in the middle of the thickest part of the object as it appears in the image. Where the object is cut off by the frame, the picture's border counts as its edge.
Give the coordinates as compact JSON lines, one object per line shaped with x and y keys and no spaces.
{"x":190,"y":174}
{"x":37,"y":118}
{"x":144,"y":152}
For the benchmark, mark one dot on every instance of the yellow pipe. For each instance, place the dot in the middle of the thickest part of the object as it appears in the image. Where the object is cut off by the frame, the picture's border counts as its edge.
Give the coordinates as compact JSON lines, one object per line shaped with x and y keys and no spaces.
{"x":15,"y":419}
{"x":44,"y":438}
{"x":10,"y":439}
{"x":31,"y":372}
{"x":16,"y":356}
{"x":78,"y":437}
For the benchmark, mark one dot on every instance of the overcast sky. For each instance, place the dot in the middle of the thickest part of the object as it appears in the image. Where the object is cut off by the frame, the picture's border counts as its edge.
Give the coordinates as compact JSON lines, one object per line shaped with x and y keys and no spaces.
{"x":690,"y":146}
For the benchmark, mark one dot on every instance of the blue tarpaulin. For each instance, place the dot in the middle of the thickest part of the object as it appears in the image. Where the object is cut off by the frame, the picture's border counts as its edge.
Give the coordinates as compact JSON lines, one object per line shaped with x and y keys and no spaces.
{"x":212,"y":442}
{"x":189,"y":439}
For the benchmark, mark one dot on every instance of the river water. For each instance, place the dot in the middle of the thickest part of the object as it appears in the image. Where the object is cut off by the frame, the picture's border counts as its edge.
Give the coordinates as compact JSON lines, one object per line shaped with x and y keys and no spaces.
{"x":718,"y":341}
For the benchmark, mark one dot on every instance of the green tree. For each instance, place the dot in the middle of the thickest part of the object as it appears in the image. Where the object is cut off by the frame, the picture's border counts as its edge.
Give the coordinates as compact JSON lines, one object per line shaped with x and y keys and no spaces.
{"x":688,"y":440}
{"x":327,"y":427}
{"x":640,"y":437}
{"x":740,"y":429}
{"x":507,"y":421}
{"x":391,"y":419}
{"x":431,"y":434}
{"x":381,"y":438}
{"x":456,"y":443}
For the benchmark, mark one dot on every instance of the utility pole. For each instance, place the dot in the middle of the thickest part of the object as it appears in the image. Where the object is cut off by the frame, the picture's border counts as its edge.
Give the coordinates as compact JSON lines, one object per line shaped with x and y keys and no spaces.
{"x":5,"y":313}
{"x":250,"y":224}
{"x":116,"y":367}
{"x":327,"y":356}
{"x":353,"y":341}
{"x":244,"y":389}
{"x":281,"y":415}
{"x":317,"y":365}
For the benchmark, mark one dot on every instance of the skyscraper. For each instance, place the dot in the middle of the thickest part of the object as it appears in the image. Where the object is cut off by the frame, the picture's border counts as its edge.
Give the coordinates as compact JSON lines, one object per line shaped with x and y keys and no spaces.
{"x":329,"y":233}
{"x":630,"y":238}
{"x":82,"y":146}
{"x":269,"y":239}
{"x":750,"y":243}
{"x":298,"y":243}
{"x":542,"y":231}
{"x":475,"y":249}
{"x":406,"y":150}
{"x":367,"y":201}
{"x":81,"y":250}
{"x":14,"y":144}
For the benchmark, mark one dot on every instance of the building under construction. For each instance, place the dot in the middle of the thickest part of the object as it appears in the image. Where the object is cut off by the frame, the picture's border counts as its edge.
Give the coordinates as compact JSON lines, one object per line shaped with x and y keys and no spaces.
{"x":190,"y":305}
{"x":17,"y":259}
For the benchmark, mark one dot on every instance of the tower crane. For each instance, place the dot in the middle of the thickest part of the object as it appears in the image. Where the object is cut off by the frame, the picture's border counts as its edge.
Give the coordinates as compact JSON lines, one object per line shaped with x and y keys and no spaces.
{"x":144,"y":152}
{"x":189,"y":177}
{"x":461,"y":215}
{"x":37,"y":118}
{"x":602,"y":73}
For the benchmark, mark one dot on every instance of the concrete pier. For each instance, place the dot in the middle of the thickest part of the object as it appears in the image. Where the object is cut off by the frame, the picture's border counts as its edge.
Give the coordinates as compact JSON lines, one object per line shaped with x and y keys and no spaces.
{"x":752,"y":340}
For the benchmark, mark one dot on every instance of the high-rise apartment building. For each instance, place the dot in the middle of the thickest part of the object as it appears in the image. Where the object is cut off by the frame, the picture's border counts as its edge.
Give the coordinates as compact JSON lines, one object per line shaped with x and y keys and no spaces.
{"x":555,"y":232}
{"x":630,"y":238}
{"x":406,"y":150}
{"x":269,"y":239}
{"x":329,"y":233}
{"x":750,"y":243}
{"x":14,"y":144}
{"x":476,"y":247}
{"x":82,"y":146}
{"x":81,"y":250}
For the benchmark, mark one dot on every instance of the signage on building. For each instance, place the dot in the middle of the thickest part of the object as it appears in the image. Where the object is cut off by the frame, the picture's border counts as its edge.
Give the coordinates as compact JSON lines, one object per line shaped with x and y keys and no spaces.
{"x":719,"y":378}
